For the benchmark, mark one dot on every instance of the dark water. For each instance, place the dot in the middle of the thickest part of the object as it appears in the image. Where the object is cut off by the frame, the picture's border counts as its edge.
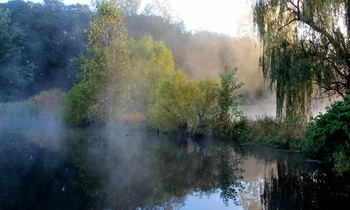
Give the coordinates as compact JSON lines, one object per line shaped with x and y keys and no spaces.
{"x":44,"y":166}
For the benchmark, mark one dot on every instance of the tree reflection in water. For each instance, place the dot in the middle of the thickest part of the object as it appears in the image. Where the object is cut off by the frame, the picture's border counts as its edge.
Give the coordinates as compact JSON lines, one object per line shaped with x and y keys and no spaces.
{"x":296,"y":182}
{"x":34,"y":177}
{"x":121,"y":170}
{"x":43,"y":167}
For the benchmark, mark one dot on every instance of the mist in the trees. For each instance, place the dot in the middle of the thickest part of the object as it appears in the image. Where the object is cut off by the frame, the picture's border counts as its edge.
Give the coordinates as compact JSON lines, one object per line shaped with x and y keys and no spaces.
{"x":114,"y":106}
{"x":53,"y":37}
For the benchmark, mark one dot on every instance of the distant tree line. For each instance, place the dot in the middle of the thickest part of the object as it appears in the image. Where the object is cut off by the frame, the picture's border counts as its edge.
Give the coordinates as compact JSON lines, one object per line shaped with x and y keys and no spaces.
{"x":38,"y":45}
{"x":41,"y":41}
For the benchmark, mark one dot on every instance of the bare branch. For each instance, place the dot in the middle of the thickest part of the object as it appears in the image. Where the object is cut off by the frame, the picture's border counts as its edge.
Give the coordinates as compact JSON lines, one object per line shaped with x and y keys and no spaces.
{"x":293,"y":4}
{"x":287,"y":24}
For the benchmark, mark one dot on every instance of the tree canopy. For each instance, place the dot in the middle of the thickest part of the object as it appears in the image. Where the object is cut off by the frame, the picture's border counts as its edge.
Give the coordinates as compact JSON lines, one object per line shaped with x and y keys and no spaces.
{"x":51,"y":37}
{"x":305,"y":50}
{"x":15,"y":72}
{"x":127,"y":7}
{"x":197,"y":107}
{"x":150,"y":64}
{"x":103,"y":71}
{"x":184,"y":104}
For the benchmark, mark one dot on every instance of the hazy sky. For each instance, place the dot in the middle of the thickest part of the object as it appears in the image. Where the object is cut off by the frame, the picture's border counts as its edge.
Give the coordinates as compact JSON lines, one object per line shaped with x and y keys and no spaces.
{"x":222,"y":16}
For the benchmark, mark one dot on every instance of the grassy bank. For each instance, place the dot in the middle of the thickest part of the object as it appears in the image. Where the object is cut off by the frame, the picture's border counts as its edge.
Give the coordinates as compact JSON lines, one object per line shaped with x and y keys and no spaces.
{"x":44,"y":106}
{"x":270,"y":131}
{"x":326,"y":137}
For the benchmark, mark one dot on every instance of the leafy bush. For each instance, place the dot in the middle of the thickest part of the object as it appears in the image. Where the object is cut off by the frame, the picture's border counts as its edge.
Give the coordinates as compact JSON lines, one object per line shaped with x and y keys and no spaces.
{"x":81,"y":106}
{"x":329,"y":135}
{"x":198,"y":107}
{"x":228,"y":120}
{"x":183,"y":104}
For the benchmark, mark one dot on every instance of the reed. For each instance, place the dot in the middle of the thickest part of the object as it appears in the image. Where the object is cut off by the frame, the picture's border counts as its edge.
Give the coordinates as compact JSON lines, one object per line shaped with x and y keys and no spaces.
{"x":271,"y":131}
{"x":45,"y":105}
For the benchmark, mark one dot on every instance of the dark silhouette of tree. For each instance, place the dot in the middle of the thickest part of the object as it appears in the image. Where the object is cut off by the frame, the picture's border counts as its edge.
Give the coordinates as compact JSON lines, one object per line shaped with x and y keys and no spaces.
{"x":16,"y":73}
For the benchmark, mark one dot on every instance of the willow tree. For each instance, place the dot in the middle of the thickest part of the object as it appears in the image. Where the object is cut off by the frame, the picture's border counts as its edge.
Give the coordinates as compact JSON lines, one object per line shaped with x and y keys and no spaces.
{"x":104,"y":69}
{"x":305,"y":48}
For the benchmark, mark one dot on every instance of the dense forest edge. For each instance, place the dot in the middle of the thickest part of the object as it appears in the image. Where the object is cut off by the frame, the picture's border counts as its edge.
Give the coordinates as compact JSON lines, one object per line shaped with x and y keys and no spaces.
{"x":114,"y":64}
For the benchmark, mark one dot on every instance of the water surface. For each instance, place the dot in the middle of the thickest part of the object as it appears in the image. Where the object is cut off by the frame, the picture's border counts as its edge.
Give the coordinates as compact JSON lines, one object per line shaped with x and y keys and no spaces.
{"x":46,"y":166}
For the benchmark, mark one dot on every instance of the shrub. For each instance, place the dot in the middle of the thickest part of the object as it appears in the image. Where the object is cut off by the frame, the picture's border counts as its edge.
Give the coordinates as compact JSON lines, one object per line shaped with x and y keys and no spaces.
{"x":329,"y":135}
{"x":198,"y":107}
{"x":184,"y":105}
{"x":81,"y":106}
{"x":228,"y":120}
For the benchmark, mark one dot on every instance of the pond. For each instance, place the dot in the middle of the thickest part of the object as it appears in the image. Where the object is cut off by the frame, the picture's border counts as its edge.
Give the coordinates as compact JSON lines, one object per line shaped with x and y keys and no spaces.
{"x":46,"y":166}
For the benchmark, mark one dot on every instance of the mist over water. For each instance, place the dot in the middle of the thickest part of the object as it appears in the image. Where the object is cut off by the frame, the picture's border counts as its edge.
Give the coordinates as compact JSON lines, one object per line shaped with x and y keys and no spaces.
{"x":34,"y":174}
{"x":47,"y":166}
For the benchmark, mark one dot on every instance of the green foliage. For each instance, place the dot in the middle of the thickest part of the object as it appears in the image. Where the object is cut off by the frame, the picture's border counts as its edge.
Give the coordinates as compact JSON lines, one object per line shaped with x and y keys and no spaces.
{"x":305,"y":49}
{"x":52,"y":37}
{"x":81,"y":105}
{"x":167,"y":114}
{"x":93,"y":98}
{"x":150,"y":64}
{"x":14,"y":74}
{"x":267,"y":130}
{"x":227,"y":116}
{"x":329,"y":134}
{"x":184,"y":105}
{"x":198,"y":106}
